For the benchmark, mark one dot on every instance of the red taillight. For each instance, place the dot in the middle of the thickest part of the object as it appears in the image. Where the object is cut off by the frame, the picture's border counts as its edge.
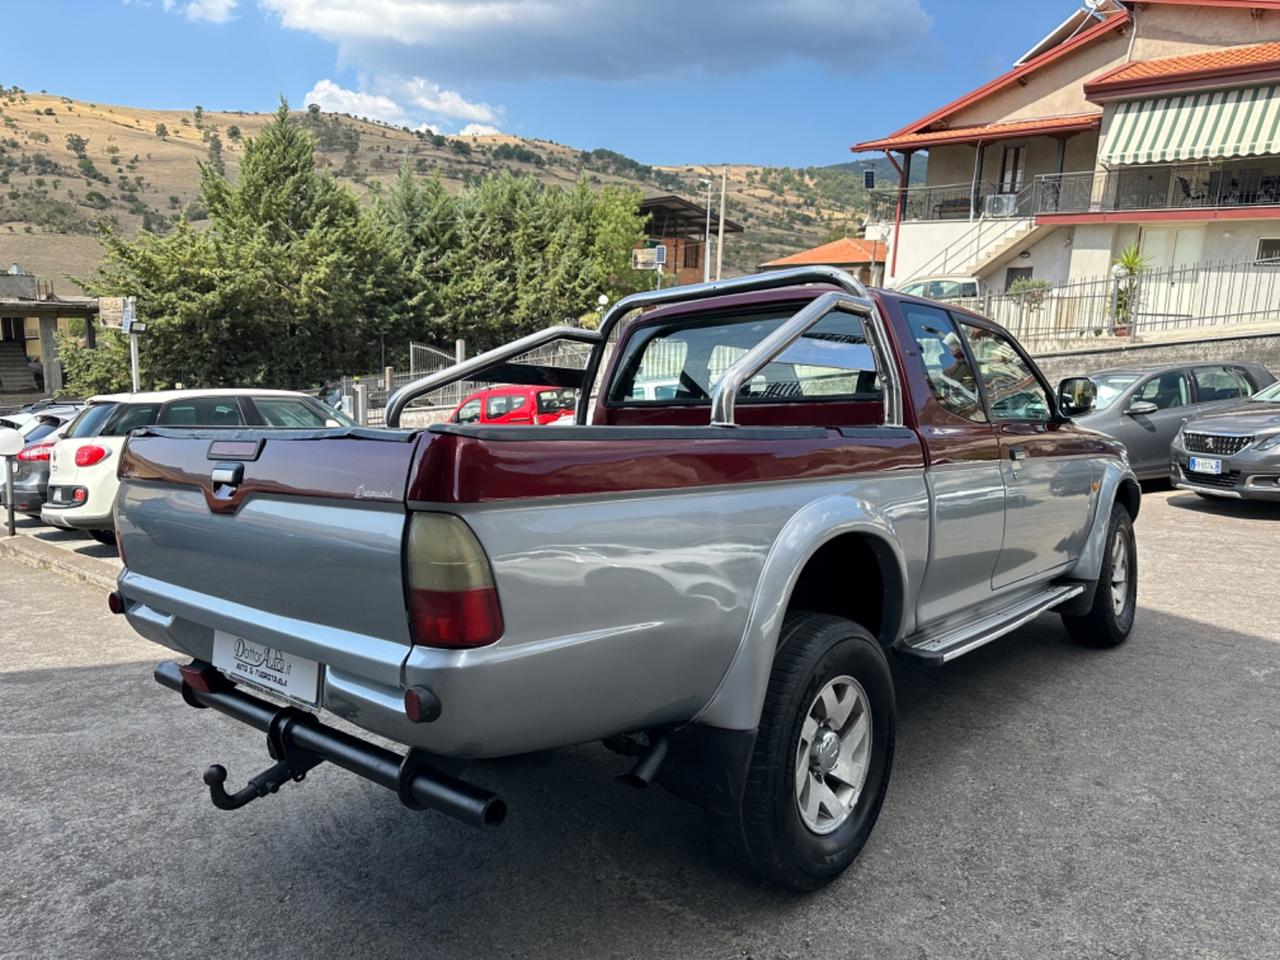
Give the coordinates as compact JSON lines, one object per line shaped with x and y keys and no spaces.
{"x":90,"y":454}
{"x":452,"y":599}
{"x":37,"y":451}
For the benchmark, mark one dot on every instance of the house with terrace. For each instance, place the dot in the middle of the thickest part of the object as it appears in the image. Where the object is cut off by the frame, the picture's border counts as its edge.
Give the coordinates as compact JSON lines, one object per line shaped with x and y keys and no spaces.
{"x":1154,"y":123}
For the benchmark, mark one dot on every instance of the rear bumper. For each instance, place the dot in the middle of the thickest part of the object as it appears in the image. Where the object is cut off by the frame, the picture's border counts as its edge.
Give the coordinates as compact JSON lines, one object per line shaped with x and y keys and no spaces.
{"x":27,"y":498}
{"x":75,"y":518}
{"x":300,"y":741}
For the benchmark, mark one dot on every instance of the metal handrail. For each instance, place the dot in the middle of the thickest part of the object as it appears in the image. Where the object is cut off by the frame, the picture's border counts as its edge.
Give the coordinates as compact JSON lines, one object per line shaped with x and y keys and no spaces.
{"x":477,"y":364}
{"x":767,"y":350}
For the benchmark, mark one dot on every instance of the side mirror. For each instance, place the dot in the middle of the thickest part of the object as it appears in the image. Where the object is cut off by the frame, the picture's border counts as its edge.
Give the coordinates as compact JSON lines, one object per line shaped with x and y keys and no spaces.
{"x":11,"y":442}
{"x":1076,"y":396}
{"x":1141,"y":408}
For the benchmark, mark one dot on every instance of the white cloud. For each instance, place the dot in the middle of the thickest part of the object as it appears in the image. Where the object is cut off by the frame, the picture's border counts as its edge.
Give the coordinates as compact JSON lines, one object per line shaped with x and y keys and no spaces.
{"x":478,"y":130}
{"x":605,"y":39}
{"x":210,"y":11}
{"x":415,"y":101}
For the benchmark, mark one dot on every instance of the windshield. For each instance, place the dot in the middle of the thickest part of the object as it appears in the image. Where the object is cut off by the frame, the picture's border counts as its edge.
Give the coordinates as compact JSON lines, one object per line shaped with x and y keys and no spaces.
{"x":1269,"y":394}
{"x":1109,"y":386}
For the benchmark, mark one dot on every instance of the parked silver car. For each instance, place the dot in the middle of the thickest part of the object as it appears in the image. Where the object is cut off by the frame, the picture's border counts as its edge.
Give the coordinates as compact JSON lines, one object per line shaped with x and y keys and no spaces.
{"x":1234,"y":454}
{"x":1144,"y":407}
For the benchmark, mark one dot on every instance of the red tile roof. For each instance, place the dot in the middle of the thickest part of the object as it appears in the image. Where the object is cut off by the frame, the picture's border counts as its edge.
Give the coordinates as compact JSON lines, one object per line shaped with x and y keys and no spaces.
{"x":1018,"y":73}
{"x":1222,"y":64}
{"x":844,"y":250}
{"x":986,"y":131}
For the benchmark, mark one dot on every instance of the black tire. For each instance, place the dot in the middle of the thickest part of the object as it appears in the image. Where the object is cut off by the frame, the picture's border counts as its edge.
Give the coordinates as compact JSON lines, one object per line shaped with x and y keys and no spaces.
{"x":103,"y":536}
{"x":1103,"y":625}
{"x":770,"y":832}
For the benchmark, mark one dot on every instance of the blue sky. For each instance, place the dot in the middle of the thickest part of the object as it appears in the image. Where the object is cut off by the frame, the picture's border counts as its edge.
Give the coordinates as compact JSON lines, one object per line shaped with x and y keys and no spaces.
{"x":669,"y":81}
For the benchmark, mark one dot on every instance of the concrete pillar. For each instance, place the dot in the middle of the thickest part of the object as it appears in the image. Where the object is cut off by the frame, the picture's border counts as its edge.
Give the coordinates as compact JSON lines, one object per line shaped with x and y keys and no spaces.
{"x":49,"y":355}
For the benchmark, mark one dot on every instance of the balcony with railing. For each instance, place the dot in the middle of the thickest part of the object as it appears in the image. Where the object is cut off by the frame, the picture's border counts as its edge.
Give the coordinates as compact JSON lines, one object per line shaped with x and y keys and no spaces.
{"x":1175,"y":186}
{"x":951,"y":201}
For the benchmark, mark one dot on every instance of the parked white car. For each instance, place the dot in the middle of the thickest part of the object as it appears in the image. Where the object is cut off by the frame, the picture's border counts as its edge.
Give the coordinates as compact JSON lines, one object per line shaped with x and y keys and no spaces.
{"x":944,"y":288}
{"x":82,"y":467}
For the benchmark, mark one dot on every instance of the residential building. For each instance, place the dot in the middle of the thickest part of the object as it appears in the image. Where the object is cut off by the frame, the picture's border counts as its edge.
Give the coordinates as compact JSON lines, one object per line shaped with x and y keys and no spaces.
{"x":681,"y":227}
{"x":862,"y":258}
{"x":1154,"y":123}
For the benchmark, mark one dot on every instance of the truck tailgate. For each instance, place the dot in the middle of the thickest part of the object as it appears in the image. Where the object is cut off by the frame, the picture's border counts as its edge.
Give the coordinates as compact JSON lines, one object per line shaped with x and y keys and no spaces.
{"x":301,"y":552}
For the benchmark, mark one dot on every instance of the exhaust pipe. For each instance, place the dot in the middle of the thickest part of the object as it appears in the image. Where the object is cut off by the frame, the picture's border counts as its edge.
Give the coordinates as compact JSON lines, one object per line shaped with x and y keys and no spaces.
{"x":298,"y":741}
{"x":646,"y":768}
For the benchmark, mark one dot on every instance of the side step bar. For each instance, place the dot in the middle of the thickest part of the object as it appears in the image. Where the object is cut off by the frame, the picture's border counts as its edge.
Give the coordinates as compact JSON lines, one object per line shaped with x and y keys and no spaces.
{"x":297,"y":741}
{"x":952,"y":642}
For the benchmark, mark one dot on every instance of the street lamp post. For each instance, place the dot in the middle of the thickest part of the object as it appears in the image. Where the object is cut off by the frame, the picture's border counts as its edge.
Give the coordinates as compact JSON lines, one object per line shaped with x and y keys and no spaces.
{"x":706,"y":233}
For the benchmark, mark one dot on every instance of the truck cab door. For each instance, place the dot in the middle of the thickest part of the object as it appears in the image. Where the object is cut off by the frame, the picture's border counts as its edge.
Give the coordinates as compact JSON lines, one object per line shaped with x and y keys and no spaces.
{"x":1049,"y":465}
{"x":965,"y":476}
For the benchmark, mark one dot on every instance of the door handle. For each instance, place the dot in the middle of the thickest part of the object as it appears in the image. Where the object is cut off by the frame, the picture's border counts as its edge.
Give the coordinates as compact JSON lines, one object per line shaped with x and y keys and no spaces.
{"x":1017,"y":454}
{"x":227,"y":474}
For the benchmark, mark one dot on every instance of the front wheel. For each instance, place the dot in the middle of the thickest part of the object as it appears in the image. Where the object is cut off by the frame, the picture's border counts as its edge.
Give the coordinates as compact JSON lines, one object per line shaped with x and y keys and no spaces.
{"x":1115,"y":601}
{"x":823,"y":753}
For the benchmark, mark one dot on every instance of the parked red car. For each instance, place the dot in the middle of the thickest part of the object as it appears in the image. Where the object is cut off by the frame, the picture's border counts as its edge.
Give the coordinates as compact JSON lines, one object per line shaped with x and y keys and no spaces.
{"x":513,"y":406}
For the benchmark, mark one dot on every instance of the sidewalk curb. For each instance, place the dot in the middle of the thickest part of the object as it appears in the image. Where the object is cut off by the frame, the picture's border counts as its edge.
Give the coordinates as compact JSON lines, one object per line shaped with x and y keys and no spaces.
{"x":48,"y":557}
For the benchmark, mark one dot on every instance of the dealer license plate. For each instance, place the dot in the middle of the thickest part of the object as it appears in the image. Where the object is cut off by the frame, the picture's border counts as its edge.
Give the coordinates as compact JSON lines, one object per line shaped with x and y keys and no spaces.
{"x":269,"y":668}
{"x":1204,"y":465}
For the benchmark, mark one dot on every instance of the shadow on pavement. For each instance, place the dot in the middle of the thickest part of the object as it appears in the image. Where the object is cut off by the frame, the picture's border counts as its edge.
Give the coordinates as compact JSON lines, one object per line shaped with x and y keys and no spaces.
{"x":1045,"y":797}
{"x":1226,"y":507}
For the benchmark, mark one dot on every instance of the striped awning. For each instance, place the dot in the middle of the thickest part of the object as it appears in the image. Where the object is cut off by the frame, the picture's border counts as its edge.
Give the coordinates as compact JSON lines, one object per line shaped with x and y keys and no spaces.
{"x":1243,"y":122}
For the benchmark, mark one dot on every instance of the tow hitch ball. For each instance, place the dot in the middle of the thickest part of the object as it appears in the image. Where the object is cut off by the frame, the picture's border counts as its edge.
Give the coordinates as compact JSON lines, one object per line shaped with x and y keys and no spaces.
{"x":292,"y":763}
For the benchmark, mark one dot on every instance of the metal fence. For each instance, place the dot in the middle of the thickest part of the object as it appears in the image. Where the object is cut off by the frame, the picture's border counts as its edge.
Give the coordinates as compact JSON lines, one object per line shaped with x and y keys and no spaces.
{"x":1151,"y":302}
{"x":368,"y":394}
{"x":1161,"y":186}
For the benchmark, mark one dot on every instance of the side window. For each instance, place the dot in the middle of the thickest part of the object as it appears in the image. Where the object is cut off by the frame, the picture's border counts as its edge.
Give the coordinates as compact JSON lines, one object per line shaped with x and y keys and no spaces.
{"x":470,"y":412}
{"x":950,"y":375}
{"x":203,"y":412}
{"x":1220,"y":383}
{"x":130,"y":417}
{"x":500,"y":405}
{"x":1013,"y":389}
{"x":288,"y":412}
{"x":1166,"y":390}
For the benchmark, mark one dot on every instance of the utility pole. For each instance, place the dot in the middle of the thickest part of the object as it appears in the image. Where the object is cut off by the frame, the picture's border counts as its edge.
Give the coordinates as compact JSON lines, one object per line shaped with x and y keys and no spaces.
{"x":706,"y":234}
{"x":724,"y":186}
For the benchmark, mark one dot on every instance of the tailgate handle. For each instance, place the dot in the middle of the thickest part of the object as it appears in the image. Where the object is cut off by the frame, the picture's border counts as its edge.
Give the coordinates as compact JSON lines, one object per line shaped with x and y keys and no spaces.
{"x":227,"y":474}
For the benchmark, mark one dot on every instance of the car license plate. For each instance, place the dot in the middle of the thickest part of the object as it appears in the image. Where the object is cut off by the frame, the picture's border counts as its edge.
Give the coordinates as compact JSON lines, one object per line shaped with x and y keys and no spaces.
{"x":269,"y":668}
{"x":1204,"y":465}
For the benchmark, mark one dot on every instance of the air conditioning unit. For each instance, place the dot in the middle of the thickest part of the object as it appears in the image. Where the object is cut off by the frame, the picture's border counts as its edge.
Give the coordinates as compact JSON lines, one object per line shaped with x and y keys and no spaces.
{"x":1002,"y":205}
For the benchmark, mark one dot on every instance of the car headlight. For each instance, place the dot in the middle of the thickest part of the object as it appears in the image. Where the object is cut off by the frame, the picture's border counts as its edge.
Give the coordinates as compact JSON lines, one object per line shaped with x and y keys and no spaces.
{"x":1269,"y":443}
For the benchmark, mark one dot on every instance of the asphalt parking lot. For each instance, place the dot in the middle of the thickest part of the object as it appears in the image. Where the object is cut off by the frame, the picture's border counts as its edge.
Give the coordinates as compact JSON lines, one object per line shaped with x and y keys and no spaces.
{"x":1048,"y":801}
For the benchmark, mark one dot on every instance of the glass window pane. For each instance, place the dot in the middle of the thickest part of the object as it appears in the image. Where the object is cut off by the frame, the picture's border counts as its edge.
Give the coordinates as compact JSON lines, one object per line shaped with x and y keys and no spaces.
{"x":682,"y":362}
{"x":203,"y":412}
{"x":1013,"y":390}
{"x":288,"y":412}
{"x":1165,"y":391}
{"x":130,"y":417}
{"x":950,"y":375}
{"x":1220,"y":383}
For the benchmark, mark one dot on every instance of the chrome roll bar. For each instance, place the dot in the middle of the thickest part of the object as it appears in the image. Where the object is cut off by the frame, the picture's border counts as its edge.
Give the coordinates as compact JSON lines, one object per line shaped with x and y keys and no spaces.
{"x":726,"y":390}
{"x":478,"y":364}
{"x":853,"y":298}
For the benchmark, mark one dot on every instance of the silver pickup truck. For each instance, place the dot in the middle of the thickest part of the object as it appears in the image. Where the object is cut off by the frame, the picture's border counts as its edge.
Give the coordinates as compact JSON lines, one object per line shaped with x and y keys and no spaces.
{"x":709,"y":577}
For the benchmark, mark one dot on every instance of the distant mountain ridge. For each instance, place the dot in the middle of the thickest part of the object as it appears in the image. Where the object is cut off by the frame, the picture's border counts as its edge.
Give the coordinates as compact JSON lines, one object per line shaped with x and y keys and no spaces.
{"x":66,"y":165}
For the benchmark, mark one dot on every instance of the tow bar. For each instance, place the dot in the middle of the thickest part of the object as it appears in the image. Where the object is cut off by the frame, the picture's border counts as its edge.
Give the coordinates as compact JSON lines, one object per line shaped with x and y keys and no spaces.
{"x":297,"y":741}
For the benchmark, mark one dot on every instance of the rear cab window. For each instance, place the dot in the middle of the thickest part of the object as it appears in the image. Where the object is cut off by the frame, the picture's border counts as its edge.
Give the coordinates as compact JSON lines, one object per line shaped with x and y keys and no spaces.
{"x":679,"y":363}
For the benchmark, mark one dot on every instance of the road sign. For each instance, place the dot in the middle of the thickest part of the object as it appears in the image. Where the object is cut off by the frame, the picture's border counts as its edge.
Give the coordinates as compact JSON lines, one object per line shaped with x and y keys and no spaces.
{"x":111,"y":311}
{"x":127,"y":315}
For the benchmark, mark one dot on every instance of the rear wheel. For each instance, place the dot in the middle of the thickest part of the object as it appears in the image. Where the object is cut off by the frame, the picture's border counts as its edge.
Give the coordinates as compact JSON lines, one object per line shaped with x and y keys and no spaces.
{"x":821,"y":763}
{"x":1115,"y":601}
{"x":103,"y":536}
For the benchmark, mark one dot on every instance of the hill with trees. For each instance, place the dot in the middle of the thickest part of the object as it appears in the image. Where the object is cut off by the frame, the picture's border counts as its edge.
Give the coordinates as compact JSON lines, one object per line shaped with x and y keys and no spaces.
{"x":68,"y":166}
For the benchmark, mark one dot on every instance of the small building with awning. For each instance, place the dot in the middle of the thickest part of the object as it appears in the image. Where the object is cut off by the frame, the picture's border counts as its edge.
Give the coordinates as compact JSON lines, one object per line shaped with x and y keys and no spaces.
{"x":1153,"y":123}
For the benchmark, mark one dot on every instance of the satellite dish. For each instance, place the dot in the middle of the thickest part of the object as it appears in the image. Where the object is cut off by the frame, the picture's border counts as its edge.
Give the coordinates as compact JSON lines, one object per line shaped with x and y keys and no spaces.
{"x":11,"y":442}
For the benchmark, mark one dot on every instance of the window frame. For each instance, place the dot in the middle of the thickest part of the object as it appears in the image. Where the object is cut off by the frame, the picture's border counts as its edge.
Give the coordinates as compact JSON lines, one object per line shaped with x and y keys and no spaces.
{"x":479,"y":402}
{"x":740,"y":314}
{"x":1260,"y":260}
{"x":1136,"y":389}
{"x":951,"y":318}
{"x":964,"y":319}
{"x":1236,"y":368}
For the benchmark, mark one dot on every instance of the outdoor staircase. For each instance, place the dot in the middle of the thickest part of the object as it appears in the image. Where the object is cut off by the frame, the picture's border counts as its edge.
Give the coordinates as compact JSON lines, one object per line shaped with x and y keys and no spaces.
{"x":979,"y":249}
{"x":15,"y":375}
{"x":1022,"y":236}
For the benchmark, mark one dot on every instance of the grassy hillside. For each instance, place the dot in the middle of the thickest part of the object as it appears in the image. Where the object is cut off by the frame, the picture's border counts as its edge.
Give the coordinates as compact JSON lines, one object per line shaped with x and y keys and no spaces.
{"x":67,"y":165}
